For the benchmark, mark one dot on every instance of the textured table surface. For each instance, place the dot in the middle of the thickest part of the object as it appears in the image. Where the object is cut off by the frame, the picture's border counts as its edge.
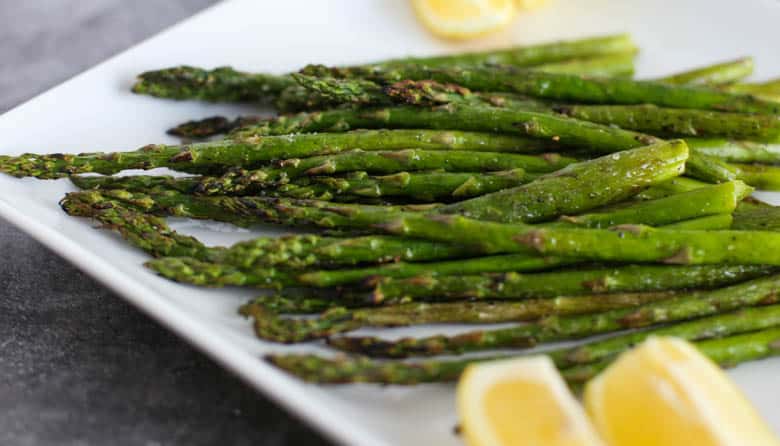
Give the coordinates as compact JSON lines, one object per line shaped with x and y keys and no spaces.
{"x":78,"y":366}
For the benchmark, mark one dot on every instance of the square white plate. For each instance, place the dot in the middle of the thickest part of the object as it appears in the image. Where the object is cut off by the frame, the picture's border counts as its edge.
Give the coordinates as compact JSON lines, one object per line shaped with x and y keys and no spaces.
{"x":96,"y":111}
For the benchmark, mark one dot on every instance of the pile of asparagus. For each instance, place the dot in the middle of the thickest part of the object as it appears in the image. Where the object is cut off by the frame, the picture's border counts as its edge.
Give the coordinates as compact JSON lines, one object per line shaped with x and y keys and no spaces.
{"x":537,"y":184}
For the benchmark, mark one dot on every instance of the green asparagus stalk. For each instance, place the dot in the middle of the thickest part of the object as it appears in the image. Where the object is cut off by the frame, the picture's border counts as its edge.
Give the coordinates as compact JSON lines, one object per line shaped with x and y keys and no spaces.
{"x":243,"y":182}
{"x":213,"y":125}
{"x":733,"y":348}
{"x":717,"y":199}
{"x":295,"y":98}
{"x":648,"y":118}
{"x":570,"y":88}
{"x":137,"y":183}
{"x":708,"y":200}
{"x":736,"y":151}
{"x":677,"y":185}
{"x":599,"y":182}
{"x":294,"y":251}
{"x":663,"y":121}
{"x":227,"y":84}
{"x":712,"y":222}
{"x":543,"y":126}
{"x":739,"y":321}
{"x":220,"y":155}
{"x":727,"y":352}
{"x":219,"y":84}
{"x":751,"y":293}
{"x":759,"y":175}
{"x":200,"y":273}
{"x":196,"y":272}
{"x":218,"y":274}
{"x":759,"y":218}
{"x":626,"y":243}
{"x":512,"y":285}
{"x":769,"y":90}
{"x":577,"y":188}
{"x":718,"y":74}
{"x":619,"y":64}
{"x":632,"y":243}
{"x":416,"y":186}
{"x":301,"y":251}
{"x":144,"y":231}
{"x":731,"y":351}
{"x":270,"y":326}
{"x":610,"y":65}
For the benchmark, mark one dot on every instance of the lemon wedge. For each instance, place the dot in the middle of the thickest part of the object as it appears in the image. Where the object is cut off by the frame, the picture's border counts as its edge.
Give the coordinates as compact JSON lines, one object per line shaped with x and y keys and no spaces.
{"x":462,"y":19}
{"x":520,"y":402}
{"x":665,"y":392}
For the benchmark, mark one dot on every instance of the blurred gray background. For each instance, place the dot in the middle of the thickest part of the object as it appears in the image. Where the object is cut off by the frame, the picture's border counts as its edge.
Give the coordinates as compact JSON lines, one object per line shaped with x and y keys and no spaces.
{"x":78,"y":366}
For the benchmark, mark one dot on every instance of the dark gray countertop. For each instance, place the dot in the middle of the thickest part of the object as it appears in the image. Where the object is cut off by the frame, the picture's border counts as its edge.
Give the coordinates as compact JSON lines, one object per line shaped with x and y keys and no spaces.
{"x":78,"y":366}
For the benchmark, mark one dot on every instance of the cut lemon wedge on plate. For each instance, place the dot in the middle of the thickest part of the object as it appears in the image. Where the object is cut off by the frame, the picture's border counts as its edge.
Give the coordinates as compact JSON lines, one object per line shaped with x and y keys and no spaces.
{"x":461,"y":19}
{"x":520,"y":402}
{"x":665,"y":392}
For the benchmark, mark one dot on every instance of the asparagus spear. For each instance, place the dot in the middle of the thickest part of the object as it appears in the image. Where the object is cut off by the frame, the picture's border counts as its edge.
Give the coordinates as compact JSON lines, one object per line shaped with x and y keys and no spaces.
{"x":610,"y":65}
{"x":717,"y":199}
{"x":663,"y":121}
{"x":147,"y":232}
{"x":270,"y":326}
{"x":706,"y":200}
{"x":646,"y":118}
{"x":219,"y":84}
{"x":227,"y":84}
{"x":754,"y":292}
{"x":416,"y":186}
{"x":577,"y":188}
{"x":512,"y":285}
{"x":717,"y":74}
{"x":626,"y":243}
{"x":300,"y":251}
{"x":736,"y":151}
{"x":219,"y":155}
{"x":600,"y":181}
{"x":569,"y":88}
{"x":294,"y":251}
{"x":295,"y":98}
{"x":217,"y":274}
{"x":420,"y":186}
{"x":730,"y":350}
{"x":712,"y":222}
{"x":211,"y":126}
{"x":547,"y":127}
{"x":631,"y":243}
{"x":759,"y":175}
{"x":739,"y":321}
{"x":769,"y":90}
{"x":759,"y":218}
{"x":137,"y":183}
{"x":243,"y":182}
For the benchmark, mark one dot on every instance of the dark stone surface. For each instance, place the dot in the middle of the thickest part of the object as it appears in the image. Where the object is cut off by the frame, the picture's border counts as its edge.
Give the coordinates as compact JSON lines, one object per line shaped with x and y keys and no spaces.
{"x":78,"y":366}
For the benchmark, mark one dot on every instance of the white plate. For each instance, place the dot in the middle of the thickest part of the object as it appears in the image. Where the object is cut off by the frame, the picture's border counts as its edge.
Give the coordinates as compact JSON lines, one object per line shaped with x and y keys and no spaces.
{"x":95,"y":111}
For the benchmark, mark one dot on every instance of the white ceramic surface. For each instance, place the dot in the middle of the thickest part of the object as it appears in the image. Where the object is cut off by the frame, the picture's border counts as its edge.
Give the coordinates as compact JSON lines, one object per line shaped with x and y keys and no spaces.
{"x":95,"y":111}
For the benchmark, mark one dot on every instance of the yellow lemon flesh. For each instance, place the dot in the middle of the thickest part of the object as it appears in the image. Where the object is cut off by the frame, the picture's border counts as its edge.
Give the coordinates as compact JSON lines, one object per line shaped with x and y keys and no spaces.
{"x":461,"y":19}
{"x":665,"y":392}
{"x":520,"y":402}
